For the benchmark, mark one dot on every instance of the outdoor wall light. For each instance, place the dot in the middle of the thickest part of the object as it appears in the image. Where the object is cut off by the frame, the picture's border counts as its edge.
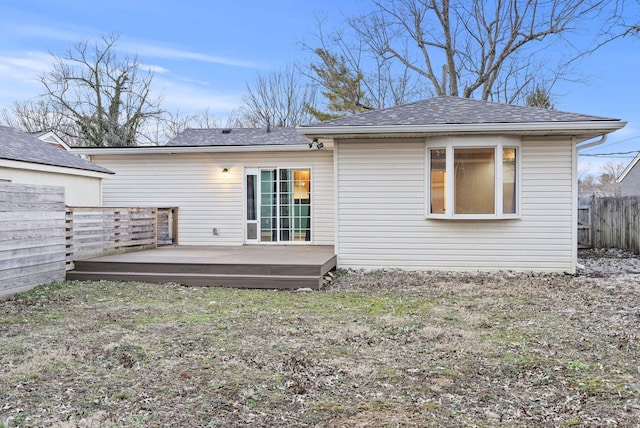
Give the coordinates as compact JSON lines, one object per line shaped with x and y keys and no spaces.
{"x":318,"y":144}
{"x":226,"y":173}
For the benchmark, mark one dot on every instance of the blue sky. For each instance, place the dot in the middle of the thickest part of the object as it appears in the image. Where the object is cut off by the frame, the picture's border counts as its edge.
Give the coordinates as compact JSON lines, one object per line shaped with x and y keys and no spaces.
{"x":204,"y":52}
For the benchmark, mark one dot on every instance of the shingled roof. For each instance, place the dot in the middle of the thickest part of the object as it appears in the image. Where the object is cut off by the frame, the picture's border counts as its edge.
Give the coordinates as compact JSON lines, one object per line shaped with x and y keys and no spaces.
{"x":454,"y":110}
{"x":238,"y":137}
{"x":19,"y":146}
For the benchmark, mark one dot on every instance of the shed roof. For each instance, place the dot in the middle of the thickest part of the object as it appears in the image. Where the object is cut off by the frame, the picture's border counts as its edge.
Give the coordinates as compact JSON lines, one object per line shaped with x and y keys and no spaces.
{"x":238,"y":137}
{"x":628,"y":168}
{"x":19,"y":146}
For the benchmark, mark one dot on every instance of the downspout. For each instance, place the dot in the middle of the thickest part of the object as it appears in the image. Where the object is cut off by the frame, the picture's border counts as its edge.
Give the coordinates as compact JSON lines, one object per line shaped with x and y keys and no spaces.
{"x":602,"y":139}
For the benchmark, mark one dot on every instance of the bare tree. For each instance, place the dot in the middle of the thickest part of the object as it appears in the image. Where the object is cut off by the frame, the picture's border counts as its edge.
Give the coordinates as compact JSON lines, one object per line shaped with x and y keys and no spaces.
{"x":473,"y":48}
{"x":35,"y":116}
{"x":612,"y":169}
{"x":108,"y":98}
{"x":277,"y":99}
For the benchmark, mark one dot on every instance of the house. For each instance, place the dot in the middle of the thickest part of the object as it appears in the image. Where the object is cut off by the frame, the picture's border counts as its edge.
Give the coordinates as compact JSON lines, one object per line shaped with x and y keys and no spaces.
{"x":26,"y":159}
{"x":630,"y":178}
{"x":441,"y":184}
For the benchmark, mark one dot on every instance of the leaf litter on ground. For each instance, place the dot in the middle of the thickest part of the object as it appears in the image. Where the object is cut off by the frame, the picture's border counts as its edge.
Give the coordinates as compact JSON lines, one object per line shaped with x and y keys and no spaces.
{"x":384,"y":348}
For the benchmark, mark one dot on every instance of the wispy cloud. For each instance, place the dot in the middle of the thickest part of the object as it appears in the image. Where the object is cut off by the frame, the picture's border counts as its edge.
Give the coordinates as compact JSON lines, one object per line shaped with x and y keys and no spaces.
{"x":44,"y":32}
{"x":29,"y":62}
{"x":149,"y":49}
{"x":153,"y":68}
{"x":165,"y":52}
{"x":192,"y":98}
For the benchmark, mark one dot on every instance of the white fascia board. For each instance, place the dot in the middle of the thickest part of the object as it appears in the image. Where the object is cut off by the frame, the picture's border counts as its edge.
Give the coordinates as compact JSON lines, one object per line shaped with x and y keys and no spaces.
{"x":31,"y":166}
{"x":604,"y":126}
{"x":92,"y":151}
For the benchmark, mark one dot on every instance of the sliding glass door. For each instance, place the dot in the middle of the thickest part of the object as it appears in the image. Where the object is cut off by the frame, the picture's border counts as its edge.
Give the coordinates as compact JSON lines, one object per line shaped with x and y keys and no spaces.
{"x":278,"y":205}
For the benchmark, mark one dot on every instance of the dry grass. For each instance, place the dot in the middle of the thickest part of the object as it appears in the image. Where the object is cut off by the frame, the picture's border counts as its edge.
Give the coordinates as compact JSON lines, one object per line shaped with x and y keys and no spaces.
{"x":378,"y":349}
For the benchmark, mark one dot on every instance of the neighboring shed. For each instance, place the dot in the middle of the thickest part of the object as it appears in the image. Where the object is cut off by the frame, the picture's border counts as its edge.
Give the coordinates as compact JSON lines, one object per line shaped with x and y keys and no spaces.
{"x":630,"y":178}
{"x":28,"y":160}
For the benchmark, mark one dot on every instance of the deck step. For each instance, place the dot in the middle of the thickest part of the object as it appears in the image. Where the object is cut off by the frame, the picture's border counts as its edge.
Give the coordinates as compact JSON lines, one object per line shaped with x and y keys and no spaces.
{"x":201,"y":268}
{"x":273,"y":267}
{"x":204,"y":279}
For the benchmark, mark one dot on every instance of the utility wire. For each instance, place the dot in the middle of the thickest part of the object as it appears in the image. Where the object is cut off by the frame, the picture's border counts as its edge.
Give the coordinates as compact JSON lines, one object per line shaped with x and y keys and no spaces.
{"x":610,"y":154}
{"x":618,"y":142}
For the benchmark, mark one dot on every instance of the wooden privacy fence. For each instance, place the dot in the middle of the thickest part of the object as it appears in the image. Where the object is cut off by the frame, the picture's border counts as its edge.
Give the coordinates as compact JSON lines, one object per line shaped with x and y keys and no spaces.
{"x":614,"y":222}
{"x":584,"y":221}
{"x":95,"y":231}
{"x":32,"y":236}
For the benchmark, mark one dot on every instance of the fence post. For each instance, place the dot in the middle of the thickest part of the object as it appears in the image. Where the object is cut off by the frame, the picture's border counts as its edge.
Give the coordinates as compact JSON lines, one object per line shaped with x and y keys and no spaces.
{"x":69,"y":238}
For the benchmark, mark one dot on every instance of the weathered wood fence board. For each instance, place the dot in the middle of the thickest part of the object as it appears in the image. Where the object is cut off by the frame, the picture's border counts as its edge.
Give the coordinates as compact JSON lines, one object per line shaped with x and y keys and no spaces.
{"x":32,"y":236}
{"x":106,"y":230}
{"x":40,"y":237}
{"x":614,"y":222}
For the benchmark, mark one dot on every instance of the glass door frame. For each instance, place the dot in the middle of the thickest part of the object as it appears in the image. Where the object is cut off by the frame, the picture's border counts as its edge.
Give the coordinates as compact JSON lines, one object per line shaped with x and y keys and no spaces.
{"x":252,"y":212}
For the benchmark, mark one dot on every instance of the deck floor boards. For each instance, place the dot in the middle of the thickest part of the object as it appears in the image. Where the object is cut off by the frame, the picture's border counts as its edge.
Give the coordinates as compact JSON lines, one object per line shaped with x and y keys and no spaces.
{"x":263,"y":266}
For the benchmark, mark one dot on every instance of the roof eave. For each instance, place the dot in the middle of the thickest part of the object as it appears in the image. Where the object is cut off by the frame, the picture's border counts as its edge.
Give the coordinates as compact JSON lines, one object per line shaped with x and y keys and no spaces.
{"x":187,"y":149}
{"x":587,"y":129}
{"x":59,"y":169}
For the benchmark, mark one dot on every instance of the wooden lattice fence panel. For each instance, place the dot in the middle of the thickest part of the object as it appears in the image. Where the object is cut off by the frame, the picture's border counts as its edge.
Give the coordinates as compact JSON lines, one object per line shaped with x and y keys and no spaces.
{"x":95,"y":231}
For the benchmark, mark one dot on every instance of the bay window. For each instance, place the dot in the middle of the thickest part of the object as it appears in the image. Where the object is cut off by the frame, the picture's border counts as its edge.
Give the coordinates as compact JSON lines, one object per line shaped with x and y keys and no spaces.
{"x":473,"y":178}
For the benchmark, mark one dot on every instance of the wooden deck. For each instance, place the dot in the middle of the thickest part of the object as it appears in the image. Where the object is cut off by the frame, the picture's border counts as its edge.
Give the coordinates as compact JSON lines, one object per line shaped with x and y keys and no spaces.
{"x":268,"y":266}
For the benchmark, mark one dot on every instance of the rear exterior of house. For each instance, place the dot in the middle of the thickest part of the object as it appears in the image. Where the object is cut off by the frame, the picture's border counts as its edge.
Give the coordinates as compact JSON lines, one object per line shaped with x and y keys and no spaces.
{"x":272,"y":193}
{"x":442,"y":184}
{"x":384,"y":220}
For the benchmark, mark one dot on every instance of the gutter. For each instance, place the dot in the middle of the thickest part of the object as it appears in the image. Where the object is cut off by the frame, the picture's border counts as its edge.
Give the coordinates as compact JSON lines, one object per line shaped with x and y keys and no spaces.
{"x":602,"y":139}
{"x":43,"y":167}
{"x":540,"y":127}
{"x":187,"y":149}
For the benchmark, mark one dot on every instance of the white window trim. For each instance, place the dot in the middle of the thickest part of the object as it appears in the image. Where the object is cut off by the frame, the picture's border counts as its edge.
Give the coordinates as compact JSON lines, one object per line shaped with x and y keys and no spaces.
{"x":498,"y":143}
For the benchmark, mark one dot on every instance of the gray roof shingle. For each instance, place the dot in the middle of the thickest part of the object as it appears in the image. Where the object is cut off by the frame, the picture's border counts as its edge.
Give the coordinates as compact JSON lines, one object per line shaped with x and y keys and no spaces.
{"x":238,"y":137}
{"x":19,"y":146}
{"x":455,"y":110}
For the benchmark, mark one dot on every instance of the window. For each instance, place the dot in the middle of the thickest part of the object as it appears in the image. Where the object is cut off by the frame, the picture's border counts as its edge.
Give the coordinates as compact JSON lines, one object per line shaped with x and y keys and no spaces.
{"x":473,"y":178}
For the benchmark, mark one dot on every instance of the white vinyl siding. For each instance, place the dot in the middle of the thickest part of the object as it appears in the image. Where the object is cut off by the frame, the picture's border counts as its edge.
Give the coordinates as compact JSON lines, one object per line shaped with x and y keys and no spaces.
{"x":381,"y":200}
{"x":206,"y":200}
{"x":79,"y":190}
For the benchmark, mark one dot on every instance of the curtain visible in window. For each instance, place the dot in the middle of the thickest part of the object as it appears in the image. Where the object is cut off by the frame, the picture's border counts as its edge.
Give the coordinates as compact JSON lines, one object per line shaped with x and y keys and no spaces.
{"x":438,"y":167}
{"x":251,"y":197}
{"x":509,"y":180}
{"x":474,"y":181}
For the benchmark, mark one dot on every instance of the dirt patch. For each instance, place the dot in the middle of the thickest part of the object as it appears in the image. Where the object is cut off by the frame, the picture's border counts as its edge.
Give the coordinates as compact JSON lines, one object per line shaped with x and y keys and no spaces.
{"x":377,"y":349}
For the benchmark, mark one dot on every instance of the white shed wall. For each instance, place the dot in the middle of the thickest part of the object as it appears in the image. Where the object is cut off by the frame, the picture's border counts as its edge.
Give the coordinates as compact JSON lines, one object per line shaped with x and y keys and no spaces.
{"x":79,"y":190}
{"x":206,"y":200}
{"x":381,"y":213}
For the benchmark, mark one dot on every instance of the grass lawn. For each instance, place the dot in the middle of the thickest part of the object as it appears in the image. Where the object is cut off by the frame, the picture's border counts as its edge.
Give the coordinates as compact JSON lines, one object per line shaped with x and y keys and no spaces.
{"x":381,"y":349}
